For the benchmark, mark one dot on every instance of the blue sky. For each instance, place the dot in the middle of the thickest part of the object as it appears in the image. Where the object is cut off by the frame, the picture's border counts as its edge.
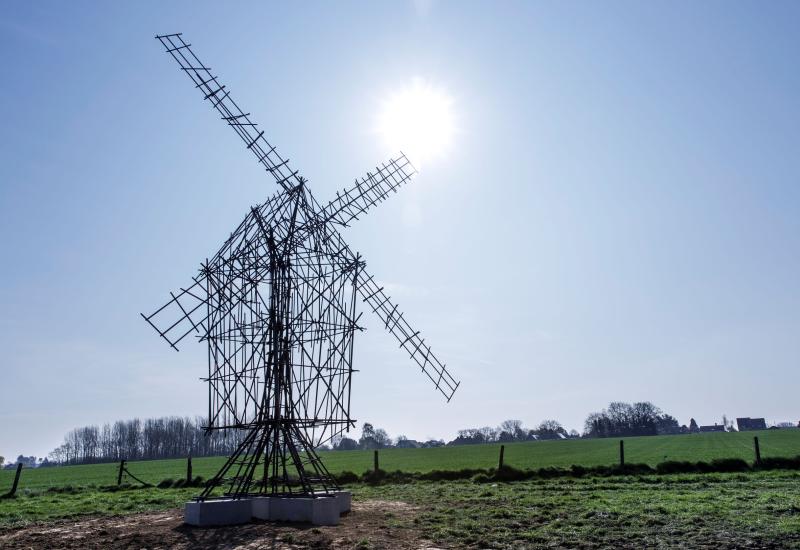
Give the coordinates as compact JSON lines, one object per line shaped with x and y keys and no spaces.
{"x":618,"y":217}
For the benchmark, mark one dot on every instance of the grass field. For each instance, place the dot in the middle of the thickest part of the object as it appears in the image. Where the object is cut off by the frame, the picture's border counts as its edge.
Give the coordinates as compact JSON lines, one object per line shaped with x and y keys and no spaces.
{"x":757,"y":510}
{"x":753,"y":510}
{"x":537,"y":454}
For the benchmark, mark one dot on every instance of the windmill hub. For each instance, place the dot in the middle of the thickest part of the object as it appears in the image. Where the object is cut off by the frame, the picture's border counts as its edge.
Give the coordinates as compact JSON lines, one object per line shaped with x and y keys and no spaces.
{"x":276,"y":309}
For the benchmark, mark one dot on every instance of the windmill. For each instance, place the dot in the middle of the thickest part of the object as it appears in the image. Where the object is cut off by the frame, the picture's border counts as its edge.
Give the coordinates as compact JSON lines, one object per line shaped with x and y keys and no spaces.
{"x":276,"y":307}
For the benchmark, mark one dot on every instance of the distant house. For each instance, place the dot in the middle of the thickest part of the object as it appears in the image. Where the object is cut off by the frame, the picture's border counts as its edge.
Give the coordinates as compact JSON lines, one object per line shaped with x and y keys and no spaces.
{"x":746,"y":424}
{"x":714,"y":428}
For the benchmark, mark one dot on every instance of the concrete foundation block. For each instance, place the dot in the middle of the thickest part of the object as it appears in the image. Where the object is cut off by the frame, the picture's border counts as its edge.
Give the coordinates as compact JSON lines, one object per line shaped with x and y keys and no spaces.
{"x":261,"y":507}
{"x":317,"y":511}
{"x":344,"y":498}
{"x":325,"y":511}
{"x":218,"y":512}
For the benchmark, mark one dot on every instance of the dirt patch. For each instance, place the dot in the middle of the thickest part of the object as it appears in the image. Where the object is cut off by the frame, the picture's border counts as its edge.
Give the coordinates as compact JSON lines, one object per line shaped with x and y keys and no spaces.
{"x":372,"y":524}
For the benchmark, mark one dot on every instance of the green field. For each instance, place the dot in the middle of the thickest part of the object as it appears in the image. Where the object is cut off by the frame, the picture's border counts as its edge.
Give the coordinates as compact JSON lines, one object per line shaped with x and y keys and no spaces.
{"x":753,"y":510}
{"x":536,"y":454}
{"x":756,"y":510}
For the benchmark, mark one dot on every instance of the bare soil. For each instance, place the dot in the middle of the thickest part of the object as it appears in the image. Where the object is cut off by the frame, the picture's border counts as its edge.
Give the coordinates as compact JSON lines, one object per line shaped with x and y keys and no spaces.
{"x":372,"y":524}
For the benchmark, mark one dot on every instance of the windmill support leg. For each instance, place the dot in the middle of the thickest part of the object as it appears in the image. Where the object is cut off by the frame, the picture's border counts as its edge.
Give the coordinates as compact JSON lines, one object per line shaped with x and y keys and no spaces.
{"x":296,"y":486}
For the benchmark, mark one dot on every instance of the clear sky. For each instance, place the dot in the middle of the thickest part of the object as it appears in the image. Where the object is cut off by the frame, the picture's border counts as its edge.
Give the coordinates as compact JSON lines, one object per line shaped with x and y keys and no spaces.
{"x":617,"y":218}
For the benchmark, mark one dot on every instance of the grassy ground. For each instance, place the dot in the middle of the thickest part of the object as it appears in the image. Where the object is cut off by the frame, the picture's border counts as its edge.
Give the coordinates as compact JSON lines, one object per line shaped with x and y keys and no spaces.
{"x":585,"y":452}
{"x":721,"y":510}
{"x":759,"y":509}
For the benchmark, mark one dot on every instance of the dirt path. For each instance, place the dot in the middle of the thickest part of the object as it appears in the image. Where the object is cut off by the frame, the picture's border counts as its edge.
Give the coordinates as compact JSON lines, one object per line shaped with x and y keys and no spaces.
{"x":371,"y":525}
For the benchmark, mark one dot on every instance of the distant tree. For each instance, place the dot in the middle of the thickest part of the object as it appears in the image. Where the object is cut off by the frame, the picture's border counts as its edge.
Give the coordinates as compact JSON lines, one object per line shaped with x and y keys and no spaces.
{"x":367,"y":430}
{"x":489,"y":434}
{"x":431,"y":443}
{"x":382,"y":439}
{"x":469,"y":436}
{"x":511,"y":430}
{"x":667,"y":425}
{"x":367,"y":439}
{"x":596,"y":425}
{"x":625,"y":419}
{"x":405,"y":443}
{"x":27,"y":461}
{"x":2,"y":461}
{"x":372,"y":438}
{"x":693,"y":427}
{"x":505,"y":437}
{"x":574,"y":433}
{"x":346,"y":444}
{"x":550,"y":429}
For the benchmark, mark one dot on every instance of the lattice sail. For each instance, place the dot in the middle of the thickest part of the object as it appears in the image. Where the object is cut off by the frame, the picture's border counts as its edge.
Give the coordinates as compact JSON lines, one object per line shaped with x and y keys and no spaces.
{"x":368,"y":191}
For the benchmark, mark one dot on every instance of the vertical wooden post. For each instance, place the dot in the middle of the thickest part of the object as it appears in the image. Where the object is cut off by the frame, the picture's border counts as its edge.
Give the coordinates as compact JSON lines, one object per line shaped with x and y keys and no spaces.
{"x":758,"y":450}
{"x":119,"y":475}
{"x":502,"y":452}
{"x":16,"y":480}
{"x":189,"y":470}
{"x":375,"y":458}
{"x":621,"y":453}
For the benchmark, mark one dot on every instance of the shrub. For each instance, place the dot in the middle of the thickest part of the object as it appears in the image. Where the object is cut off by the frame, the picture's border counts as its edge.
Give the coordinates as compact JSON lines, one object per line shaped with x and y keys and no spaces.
{"x":577,"y":471}
{"x":481,"y":478}
{"x":676,"y":467}
{"x":347,"y":477}
{"x":550,"y":472}
{"x":373,"y":477}
{"x":777,"y":463}
{"x":509,"y":473}
{"x":634,"y":469}
{"x":729,"y":465}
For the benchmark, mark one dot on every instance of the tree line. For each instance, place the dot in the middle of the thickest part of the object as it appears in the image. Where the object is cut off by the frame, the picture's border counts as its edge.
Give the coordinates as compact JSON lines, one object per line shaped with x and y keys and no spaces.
{"x":167,"y":437}
{"x":178,"y":437}
{"x":625,"y":419}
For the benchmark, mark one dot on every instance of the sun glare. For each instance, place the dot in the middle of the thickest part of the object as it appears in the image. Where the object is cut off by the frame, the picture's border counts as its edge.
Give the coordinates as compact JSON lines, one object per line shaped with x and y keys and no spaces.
{"x":418,"y":120}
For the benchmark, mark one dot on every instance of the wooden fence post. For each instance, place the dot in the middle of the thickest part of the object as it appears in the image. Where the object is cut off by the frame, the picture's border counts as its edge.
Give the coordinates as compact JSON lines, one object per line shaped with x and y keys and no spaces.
{"x":13,"y":490}
{"x":375,"y":458}
{"x":621,"y":453}
{"x":189,"y":469}
{"x":758,"y":450}
{"x":119,"y":475}
{"x":502,"y":452}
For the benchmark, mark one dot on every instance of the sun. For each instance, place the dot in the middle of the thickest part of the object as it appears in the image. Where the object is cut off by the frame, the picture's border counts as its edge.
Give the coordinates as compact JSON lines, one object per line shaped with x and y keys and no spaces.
{"x":418,"y":120}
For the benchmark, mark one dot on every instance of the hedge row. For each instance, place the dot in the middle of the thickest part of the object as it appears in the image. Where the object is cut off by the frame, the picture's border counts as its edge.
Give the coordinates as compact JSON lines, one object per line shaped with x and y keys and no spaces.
{"x":509,"y":473}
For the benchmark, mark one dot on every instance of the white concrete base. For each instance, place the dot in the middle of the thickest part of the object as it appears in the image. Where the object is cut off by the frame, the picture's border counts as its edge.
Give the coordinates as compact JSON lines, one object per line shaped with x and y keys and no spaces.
{"x":344,"y":498}
{"x":218,"y":512}
{"x":317,"y":511}
{"x":261,"y":507}
{"x":322,"y":510}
